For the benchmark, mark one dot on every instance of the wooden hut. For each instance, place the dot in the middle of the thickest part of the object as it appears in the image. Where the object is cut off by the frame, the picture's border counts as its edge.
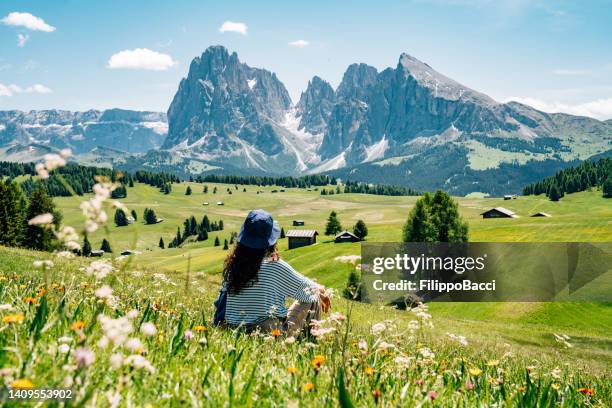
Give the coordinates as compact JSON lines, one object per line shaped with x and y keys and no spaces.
{"x":300,"y":238}
{"x":499,"y":212}
{"x":298,"y":223}
{"x":541,"y":214}
{"x":346,"y":236}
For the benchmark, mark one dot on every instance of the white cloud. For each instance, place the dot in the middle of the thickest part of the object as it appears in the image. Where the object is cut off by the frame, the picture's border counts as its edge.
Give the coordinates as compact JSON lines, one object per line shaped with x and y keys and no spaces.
{"x":299,"y":43}
{"x":22,"y":39}
{"x":141,"y":58}
{"x":12,"y":89}
{"x":233,"y":27}
{"x":28,"y":21}
{"x":599,"y":109}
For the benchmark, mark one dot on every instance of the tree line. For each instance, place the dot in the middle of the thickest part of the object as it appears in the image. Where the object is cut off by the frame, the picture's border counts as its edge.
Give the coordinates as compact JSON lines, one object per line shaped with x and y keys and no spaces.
{"x":82,"y":178}
{"x":286,"y":181}
{"x":17,"y":209}
{"x":193,"y":228}
{"x":574,"y":179}
{"x":366,"y":188}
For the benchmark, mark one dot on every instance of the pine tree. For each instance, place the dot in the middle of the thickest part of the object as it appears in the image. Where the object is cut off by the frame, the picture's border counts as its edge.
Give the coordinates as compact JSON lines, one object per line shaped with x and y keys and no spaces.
{"x":607,"y":188}
{"x":217,"y":243}
{"x":360,"y":229}
{"x":41,"y":237}
{"x":206,"y":223}
{"x":554,"y":194}
{"x":215,"y":190}
{"x":202,"y":233}
{"x":106,"y":246}
{"x":120,"y":218}
{"x":12,"y":214}
{"x":333,"y":225}
{"x":149,"y":216}
{"x":205,"y":189}
{"x":134,"y":215}
{"x":282,"y":234}
{"x":119,"y":192}
{"x":161,"y":243}
{"x":188,"y":190}
{"x":225,"y":244}
{"x":86,"y":250}
{"x":221,"y":225}
{"x":353,"y":286}
{"x":435,"y":219}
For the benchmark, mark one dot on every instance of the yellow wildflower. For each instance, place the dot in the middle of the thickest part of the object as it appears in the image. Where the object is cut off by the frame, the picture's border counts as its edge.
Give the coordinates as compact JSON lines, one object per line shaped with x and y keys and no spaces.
{"x":475,"y":371}
{"x":22,"y":384}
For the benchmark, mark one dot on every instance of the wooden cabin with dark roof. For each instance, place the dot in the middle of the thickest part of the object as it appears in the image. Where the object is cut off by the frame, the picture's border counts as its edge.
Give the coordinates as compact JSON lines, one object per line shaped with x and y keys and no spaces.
{"x":300,"y":238}
{"x":499,"y":212}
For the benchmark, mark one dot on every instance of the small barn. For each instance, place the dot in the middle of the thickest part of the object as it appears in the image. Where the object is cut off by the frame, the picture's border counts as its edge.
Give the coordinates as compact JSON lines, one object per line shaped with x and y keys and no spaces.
{"x":97,"y":253}
{"x":298,"y":223}
{"x":346,"y":236}
{"x":499,"y":212}
{"x":507,"y":197}
{"x":300,"y":238}
{"x":541,"y":214}
{"x":220,"y":203}
{"x":206,"y":203}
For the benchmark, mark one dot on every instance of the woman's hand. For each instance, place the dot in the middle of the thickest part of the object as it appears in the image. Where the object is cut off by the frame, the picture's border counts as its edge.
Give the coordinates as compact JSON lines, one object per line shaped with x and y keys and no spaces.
{"x":325,"y":299}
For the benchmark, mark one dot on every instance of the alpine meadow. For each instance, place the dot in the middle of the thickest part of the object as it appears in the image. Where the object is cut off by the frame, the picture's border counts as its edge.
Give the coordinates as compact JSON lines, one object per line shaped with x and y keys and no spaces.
{"x":316,"y":204}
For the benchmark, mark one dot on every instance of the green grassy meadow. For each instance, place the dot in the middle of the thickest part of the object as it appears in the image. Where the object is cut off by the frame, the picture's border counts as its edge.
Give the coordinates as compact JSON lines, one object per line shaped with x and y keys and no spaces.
{"x":512,"y":356}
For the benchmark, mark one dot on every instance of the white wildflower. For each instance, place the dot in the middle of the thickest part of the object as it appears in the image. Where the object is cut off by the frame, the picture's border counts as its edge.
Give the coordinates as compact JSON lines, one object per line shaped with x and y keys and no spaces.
{"x":132,"y":314}
{"x":99,"y":269}
{"x":41,"y":219}
{"x":65,"y":255}
{"x":63,"y":348}
{"x":290,"y":340}
{"x":138,"y":361}
{"x":53,"y":161}
{"x":378,"y":328}
{"x":64,"y":339}
{"x":41,"y":171}
{"x":116,"y":361}
{"x":117,"y":330}
{"x":104,"y":292}
{"x":383,"y":345}
{"x":84,"y":357}
{"x":38,"y":264}
{"x":134,"y":345}
{"x":6,"y":306}
{"x":148,"y":329}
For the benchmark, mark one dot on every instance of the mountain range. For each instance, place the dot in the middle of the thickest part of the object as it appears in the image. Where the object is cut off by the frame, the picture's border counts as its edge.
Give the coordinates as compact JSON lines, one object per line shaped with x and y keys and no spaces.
{"x":406,"y":124}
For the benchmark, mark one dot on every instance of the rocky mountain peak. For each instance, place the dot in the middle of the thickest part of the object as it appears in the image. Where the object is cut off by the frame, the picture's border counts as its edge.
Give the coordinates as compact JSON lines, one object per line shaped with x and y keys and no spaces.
{"x":356,"y":79}
{"x":315,"y":105}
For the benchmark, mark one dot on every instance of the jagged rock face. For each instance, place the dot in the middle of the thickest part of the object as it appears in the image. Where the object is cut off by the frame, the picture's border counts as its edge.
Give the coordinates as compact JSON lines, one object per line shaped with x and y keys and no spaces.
{"x":224,"y":106}
{"x":402,"y":104}
{"x":315,"y":106}
{"x":124,"y":130}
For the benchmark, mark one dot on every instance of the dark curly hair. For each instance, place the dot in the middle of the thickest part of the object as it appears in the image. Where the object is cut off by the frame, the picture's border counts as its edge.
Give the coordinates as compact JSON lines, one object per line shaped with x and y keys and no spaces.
{"x":242,"y":265}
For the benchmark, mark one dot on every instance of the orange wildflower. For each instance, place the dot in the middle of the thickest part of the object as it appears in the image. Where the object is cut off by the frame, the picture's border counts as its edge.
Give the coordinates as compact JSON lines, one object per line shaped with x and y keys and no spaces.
{"x":377,"y":394}
{"x":291,"y":370}
{"x":275,"y":333}
{"x":586,"y":391}
{"x":369,"y":371}
{"x":318,"y":361}
{"x":199,"y":328}
{"x":308,"y":387}
{"x":78,"y":325}
{"x":29,"y":300}
{"x":17,"y":318}
{"x":41,"y":292}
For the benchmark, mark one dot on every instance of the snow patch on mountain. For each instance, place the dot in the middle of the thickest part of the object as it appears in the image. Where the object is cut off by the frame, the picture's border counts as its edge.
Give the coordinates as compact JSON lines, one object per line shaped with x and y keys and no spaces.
{"x":302,"y":143}
{"x":161,"y":128}
{"x":251,"y":83}
{"x":377,"y":150}
{"x":334,"y":163}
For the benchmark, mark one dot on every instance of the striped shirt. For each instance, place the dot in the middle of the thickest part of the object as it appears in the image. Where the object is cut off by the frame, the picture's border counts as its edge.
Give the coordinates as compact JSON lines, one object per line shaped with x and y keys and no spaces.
{"x":276,"y":280}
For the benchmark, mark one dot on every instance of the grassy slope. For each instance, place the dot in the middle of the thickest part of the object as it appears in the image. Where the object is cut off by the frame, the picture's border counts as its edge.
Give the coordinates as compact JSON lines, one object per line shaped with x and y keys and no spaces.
{"x":578,"y":217}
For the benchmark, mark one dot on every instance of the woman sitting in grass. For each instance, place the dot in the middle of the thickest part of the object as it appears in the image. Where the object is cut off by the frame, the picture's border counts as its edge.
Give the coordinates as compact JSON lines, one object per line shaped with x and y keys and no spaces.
{"x":258,"y":283}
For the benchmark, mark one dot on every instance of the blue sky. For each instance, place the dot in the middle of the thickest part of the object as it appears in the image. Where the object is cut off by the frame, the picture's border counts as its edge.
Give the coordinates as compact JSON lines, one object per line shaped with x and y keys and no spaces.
{"x":556,"y":55}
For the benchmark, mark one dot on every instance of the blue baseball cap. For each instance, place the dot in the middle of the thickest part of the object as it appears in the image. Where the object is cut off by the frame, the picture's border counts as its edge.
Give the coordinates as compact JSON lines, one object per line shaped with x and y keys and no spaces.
{"x":259,"y":230}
